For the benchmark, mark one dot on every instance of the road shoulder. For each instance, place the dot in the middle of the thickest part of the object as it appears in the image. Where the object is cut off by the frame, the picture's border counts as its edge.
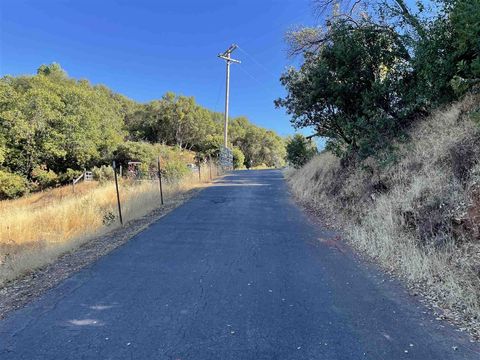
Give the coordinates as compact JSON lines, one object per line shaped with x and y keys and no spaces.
{"x":18,"y":293}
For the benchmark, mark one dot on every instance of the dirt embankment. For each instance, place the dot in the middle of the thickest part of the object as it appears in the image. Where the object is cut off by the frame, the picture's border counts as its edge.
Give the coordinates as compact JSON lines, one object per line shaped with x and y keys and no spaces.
{"x":420,"y":216}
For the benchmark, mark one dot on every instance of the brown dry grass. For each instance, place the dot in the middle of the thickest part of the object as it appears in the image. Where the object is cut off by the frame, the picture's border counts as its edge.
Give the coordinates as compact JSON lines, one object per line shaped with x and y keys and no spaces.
{"x":36,"y":229}
{"x":418,"y":217}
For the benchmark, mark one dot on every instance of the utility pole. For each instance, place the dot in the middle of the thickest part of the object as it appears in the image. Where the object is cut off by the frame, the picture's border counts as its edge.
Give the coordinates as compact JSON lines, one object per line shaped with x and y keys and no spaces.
{"x":226,"y":56}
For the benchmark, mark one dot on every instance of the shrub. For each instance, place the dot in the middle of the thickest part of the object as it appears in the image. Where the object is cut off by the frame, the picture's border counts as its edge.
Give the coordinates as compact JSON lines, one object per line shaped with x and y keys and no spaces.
{"x":300,"y":150}
{"x":238,"y":158}
{"x":12,"y":185}
{"x":174,"y":171}
{"x":44,"y":178}
{"x":137,"y":151}
{"x":69,"y":175}
{"x":103,"y":173}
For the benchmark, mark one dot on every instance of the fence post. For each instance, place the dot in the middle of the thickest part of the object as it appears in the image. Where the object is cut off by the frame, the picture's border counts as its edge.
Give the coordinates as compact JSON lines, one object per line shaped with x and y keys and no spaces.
{"x":160,"y":180}
{"x":199,"y":171}
{"x":118,"y":194}
{"x":210,"y":167}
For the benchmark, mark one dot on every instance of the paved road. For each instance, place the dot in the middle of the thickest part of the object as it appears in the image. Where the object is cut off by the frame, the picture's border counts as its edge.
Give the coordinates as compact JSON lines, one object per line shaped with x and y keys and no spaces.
{"x":236,"y":273}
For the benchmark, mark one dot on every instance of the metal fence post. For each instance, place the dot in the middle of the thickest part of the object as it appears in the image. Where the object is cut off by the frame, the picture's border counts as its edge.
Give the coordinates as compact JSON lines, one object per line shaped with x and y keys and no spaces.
{"x":118,"y":194}
{"x":210,"y":167}
{"x":160,"y":180}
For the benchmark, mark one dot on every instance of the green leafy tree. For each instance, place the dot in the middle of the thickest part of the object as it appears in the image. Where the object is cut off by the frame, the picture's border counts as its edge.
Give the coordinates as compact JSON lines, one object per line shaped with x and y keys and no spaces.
{"x":53,"y":126}
{"x":465,"y":24}
{"x":172,"y":120}
{"x":351,"y":90}
{"x":300,"y":150}
{"x":211,"y":145}
{"x":143,"y":152}
{"x":53,"y":121}
{"x":260,"y":146}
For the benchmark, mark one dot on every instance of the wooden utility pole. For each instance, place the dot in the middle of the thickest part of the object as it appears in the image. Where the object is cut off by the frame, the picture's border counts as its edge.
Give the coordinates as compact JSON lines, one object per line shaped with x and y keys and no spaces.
{"x":226,"y":56}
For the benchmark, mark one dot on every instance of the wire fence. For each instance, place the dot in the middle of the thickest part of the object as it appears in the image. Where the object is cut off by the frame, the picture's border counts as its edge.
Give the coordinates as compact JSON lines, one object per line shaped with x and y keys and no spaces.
{"x":139,"y":190}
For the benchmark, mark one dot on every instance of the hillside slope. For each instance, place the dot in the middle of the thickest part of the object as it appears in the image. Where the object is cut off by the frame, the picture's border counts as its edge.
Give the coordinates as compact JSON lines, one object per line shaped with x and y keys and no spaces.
{"x":419,"y":217}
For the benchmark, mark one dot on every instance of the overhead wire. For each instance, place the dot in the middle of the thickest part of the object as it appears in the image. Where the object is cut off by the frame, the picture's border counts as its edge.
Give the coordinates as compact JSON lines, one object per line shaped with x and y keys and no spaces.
{"x":251,"y":57}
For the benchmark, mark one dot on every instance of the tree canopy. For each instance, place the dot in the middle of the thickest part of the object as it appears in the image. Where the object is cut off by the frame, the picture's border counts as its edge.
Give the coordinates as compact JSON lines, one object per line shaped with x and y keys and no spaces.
{"x":53,"y":126}
{"x":375,"y":66}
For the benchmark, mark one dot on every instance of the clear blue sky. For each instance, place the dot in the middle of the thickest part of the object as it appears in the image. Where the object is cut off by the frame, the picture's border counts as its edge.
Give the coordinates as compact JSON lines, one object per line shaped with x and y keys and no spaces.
{"x":143,"y":48}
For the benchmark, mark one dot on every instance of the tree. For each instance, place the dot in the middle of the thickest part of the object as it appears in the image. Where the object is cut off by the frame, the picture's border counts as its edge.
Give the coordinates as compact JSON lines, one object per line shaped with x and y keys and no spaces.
{"x":260,"y":146}
{"x":465,"y":23}
{"x":397,"y":12}
{"x":53,"y":126}
{"x":441,"y":37}
{"x":300,"y":150}
{"x":211,"y":145}
{"x":53,"y":71}
{"x":172,"y":120}
{"x":52,"y":122}
{"x":352,"y":90}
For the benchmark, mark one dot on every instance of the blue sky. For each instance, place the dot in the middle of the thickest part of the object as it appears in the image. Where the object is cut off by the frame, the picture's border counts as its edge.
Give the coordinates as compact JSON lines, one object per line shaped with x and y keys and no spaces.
{"x":143,"y":48}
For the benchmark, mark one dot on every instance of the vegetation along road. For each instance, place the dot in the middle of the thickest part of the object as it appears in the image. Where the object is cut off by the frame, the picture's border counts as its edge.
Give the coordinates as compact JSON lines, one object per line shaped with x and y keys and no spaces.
{"x":239,"y":272}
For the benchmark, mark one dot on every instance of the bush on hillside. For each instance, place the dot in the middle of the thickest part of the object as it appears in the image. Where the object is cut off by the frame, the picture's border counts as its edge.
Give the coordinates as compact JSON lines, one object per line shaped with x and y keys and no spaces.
{"x":210,"y":146}
{"x":43,"y":177}
{"x":11,"y":185}
{"x":69,"y":175}
{"x":238,"y":158}
{"x":300,"y":150}
{"x":174,"y":171}
{"x":103,"y":173}
{"x":465,"y":20}
{"x":143,"y":152}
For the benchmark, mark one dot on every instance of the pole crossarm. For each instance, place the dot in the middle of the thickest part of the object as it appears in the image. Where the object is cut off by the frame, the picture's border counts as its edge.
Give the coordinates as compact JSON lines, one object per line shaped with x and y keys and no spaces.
{"x":221,"y":56}
{"x":230,"y":49}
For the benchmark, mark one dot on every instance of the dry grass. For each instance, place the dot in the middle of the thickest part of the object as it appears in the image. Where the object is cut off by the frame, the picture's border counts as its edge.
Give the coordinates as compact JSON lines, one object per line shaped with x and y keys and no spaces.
{"x":36,"y":229}
{"x":420,"y":217}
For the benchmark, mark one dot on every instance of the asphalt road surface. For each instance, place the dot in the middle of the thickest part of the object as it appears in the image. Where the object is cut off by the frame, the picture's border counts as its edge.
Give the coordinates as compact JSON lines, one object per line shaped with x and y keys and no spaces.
{"x":239,"y":272}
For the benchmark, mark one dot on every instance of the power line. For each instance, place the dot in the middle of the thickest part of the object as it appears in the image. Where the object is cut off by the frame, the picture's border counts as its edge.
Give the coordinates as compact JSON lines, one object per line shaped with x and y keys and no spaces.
{"x":254,"y":78}
{"x":257,"y":62}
